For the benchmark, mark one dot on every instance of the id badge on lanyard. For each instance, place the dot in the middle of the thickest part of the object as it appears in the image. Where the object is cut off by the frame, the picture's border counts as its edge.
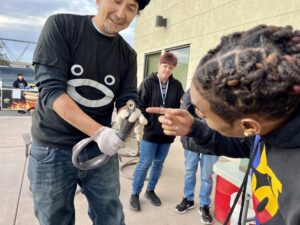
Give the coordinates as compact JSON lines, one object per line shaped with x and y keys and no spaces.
{"x":163,"y":92}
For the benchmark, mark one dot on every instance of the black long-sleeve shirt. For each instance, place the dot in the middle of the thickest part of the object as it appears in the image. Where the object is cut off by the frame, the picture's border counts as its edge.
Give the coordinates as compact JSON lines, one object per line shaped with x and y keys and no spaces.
{"x":20,"y":84}
{"x":96,"y":71}
{"x":150,"y":96}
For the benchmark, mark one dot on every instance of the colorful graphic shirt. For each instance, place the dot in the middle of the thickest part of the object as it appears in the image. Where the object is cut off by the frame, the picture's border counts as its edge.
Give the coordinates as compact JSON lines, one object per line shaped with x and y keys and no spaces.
{"x":266,"y":187}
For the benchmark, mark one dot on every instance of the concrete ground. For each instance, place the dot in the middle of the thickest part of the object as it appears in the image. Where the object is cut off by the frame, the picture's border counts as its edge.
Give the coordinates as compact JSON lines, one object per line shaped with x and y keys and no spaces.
{"x":16,"y":202}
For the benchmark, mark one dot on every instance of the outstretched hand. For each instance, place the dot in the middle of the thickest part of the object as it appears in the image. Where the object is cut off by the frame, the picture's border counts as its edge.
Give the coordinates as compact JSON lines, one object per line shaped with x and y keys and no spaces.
{"x":175,"y":122}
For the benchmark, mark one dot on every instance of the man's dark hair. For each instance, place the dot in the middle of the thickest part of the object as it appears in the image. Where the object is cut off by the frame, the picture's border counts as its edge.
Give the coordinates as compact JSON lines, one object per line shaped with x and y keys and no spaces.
{"x":20,"y":74}
{"x":252,"y":72}
{"x":142,"y":3}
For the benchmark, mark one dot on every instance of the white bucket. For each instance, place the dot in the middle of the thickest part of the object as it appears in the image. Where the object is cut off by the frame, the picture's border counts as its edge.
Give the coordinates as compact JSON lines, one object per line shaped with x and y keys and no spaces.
{"x":236,"y":212}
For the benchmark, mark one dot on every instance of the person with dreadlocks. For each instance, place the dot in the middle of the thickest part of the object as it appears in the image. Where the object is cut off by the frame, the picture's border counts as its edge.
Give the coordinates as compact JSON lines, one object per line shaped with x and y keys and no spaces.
{"x":246,"y":90}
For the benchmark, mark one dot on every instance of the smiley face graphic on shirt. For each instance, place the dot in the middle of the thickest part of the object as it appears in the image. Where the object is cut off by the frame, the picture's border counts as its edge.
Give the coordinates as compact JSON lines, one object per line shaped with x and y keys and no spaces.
{"x":106,"y":93}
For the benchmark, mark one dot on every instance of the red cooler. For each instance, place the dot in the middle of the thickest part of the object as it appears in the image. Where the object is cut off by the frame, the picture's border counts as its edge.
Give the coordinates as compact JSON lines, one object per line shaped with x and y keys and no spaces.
{"x":224,"y":189}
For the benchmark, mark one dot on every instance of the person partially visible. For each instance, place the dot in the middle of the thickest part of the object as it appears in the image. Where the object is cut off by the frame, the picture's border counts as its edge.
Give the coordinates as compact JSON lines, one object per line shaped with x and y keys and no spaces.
{"x":206,"y":163}
{"x":247,"y":90}
{"x":20,"y":82}
{"x":84,"y":68}
{"x":163,"y":90}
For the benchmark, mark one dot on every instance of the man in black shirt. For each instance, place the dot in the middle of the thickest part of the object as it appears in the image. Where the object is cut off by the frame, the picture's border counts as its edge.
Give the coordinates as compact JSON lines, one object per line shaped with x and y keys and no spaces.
{"x":83,"y":69}
{"x":20,"y":82}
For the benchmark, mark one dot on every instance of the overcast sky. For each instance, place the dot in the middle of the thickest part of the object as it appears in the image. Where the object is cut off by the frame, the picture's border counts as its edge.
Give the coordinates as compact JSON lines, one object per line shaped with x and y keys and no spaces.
{"x":23,"y":20}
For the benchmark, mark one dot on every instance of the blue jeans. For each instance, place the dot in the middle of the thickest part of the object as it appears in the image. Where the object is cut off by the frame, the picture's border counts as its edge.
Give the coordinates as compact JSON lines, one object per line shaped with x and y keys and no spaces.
{"x":150,"y":154}
{"x":53,"y":181}
{"x":191,"y":162}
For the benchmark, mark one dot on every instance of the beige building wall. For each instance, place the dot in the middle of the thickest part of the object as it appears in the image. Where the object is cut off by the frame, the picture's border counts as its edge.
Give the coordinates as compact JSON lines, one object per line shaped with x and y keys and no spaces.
{"x":201,"y":23}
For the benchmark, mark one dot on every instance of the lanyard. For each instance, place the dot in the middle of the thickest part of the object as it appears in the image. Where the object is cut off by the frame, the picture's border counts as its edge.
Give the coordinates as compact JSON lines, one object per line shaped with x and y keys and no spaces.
{"x":243,"y":186}
{"x":163,"y":91}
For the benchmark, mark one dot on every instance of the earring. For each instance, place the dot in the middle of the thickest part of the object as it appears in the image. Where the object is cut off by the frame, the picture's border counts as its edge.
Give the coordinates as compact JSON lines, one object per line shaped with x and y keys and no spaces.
{"x":246,"y":134}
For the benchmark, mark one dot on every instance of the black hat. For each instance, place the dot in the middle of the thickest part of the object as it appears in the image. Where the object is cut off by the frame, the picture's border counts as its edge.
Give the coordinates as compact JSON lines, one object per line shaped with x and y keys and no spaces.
{"x":142,"y":3}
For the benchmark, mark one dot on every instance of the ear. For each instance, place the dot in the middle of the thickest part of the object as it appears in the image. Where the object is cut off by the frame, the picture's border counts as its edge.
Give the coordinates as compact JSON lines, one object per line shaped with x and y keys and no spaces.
{"x":250,"y":126}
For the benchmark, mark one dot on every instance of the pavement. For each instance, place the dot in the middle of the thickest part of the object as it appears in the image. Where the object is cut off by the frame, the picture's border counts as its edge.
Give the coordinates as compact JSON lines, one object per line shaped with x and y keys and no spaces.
{"x":16,"y":201}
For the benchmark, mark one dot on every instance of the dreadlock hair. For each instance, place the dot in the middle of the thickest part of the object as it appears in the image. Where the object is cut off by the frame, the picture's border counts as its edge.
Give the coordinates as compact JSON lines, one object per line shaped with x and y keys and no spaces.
{"x":252,"y":72}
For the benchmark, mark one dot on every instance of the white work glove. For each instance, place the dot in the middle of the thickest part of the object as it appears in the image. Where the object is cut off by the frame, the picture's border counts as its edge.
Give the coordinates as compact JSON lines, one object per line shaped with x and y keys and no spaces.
{"x":108,"y":141}
{"x":137,"y":117}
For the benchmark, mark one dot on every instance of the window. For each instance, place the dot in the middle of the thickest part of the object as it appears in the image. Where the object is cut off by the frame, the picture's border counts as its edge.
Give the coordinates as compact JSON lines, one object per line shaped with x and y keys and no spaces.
{"x":181,"y":70}
{"x":151,"y":63}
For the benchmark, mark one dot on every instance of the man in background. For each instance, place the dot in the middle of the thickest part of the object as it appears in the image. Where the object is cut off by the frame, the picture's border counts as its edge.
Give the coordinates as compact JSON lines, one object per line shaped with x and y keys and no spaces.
{"x":193,"y":158}
{"x":20,"y":82}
